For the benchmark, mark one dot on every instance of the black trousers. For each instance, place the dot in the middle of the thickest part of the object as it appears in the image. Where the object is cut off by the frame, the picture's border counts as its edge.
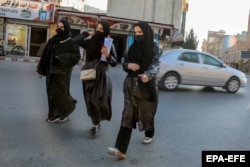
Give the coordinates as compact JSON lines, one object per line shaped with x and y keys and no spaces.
{"x":124,"y":137}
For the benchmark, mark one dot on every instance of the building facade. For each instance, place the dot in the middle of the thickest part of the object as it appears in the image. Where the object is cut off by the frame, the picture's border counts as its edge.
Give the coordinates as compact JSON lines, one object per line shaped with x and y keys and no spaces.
{"x":31,"y":23}
{"x":229,"y":48}
{"x":158,"y":11}
{"x":24,"y":25}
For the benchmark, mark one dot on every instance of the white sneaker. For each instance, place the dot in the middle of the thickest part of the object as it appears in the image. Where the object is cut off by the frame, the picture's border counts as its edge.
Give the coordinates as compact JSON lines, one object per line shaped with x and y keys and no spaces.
{"x":147,"y":140}
{"x":63,"y":120}
{"x":53,"y":119}
{"x":115,"y":152}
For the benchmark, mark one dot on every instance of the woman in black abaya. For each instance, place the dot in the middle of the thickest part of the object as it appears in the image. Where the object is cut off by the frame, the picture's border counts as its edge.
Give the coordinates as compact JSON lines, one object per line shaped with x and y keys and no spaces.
{"x":59,"y":57}
{"x":98,"y":93}
{"x":141,"y":64}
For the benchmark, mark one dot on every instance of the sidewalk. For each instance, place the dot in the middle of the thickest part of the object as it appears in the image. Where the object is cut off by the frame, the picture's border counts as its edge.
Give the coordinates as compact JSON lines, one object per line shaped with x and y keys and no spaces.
{"x":20,"y":59}
{"x":36,"y":60}
{"x":25,"y":59}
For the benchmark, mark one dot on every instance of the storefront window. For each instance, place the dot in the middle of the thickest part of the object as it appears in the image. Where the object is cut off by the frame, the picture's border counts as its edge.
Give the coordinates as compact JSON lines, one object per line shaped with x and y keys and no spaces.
{"x":16,"y":36}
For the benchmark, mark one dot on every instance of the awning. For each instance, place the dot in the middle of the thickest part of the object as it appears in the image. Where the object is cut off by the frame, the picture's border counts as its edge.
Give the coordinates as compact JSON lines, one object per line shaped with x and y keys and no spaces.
{"x":135,"y":21}
{"x":77,"y":14}
{"x":177,"y":37}
{"x":160,"y":26}
{"x":115,"y":19}
{"x":118,"y":19}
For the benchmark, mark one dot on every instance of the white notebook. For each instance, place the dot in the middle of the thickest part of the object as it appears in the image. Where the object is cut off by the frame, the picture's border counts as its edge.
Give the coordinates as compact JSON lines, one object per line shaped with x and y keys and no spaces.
{"x":107,"y":43}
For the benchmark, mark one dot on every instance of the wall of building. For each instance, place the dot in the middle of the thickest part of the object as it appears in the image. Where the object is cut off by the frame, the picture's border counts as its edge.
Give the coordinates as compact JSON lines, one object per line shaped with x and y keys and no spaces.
{"x":159,"y":11}
{"x":76,"y":5}
{"x":169,"y":11}
{"x":227,"y":47}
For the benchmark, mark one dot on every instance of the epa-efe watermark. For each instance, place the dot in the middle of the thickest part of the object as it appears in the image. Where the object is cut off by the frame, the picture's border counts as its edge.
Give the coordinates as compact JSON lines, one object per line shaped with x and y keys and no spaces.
{"x":225,"y":158}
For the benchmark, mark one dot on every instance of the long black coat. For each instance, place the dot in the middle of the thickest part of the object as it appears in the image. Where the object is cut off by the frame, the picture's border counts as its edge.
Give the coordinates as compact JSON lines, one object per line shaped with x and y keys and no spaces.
{"x":140,"y":99}
{"x":97,"y":93}
{"x":56,"y":64}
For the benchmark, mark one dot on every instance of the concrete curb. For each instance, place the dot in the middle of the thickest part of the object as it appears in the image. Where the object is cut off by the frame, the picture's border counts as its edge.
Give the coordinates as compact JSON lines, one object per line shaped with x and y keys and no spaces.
{"x":20,"y":59}
{"x":26,"y":59}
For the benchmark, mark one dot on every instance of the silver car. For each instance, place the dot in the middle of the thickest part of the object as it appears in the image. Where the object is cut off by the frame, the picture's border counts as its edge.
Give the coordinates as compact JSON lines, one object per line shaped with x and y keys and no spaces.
{"x":192,"y":67}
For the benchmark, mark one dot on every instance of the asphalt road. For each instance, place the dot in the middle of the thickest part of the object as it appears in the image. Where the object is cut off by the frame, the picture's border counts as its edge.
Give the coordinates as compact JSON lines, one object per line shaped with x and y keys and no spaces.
{"x":188,"y":121}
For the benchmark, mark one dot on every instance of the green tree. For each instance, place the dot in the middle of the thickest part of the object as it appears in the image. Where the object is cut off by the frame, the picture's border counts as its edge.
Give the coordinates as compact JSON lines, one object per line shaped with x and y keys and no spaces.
{"x":190,"y":41}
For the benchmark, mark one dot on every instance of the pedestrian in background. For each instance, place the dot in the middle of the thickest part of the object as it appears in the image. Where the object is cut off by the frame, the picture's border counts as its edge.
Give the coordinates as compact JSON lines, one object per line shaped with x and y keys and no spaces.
{"x":141,"y":64}
{"x":97,"y":93}
{"x":58,"y":58}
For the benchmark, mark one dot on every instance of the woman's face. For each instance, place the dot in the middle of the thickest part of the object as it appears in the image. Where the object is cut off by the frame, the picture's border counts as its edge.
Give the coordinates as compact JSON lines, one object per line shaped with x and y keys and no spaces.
{"x":99,"y":27}
{"x":60,"y":25}
{"x":138,"y":30}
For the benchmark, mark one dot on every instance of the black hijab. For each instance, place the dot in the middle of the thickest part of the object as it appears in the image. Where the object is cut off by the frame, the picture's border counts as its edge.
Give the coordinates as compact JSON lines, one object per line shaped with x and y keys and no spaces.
{"x":66,"y":34}
{"x":94,"y":49}
{"x":142,"y":52}
{"x":106,"y":29}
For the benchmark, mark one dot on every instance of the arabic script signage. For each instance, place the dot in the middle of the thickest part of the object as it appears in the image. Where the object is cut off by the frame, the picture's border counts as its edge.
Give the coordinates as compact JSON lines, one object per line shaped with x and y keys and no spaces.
{"x":245,"y":54}
{"x":27,"y":10}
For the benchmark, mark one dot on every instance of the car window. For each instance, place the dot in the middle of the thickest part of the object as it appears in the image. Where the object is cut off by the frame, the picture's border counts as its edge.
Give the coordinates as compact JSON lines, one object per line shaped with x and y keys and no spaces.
{"x":210,"y":60}
{"x":189,"y":57}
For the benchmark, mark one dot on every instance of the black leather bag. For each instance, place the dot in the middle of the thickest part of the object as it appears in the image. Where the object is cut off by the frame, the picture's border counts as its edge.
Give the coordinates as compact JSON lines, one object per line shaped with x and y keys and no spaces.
{"x":149,"y":88}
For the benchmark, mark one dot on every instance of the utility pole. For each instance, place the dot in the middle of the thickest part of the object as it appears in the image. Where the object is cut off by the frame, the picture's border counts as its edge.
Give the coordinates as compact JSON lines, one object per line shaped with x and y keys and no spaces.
{"x":153,"y":11}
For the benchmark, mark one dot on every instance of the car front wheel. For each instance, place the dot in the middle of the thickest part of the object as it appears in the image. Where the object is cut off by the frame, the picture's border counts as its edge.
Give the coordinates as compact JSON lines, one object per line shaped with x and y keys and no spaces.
{"x":233,"y":85}
{"x":170,"y":81}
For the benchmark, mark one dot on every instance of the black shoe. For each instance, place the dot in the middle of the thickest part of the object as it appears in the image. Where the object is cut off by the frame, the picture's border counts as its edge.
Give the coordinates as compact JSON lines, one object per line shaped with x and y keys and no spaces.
{"x":94,"y":130}
{"x":53,"y":119}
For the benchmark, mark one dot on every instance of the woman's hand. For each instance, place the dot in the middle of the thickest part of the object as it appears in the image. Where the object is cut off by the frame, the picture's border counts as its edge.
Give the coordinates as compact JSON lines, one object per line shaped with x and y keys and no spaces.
{"x":105,"y":51}
{"x":91,"y":33}
{"x":41,"y":76}
{"x":133,"y":66}
{"x":144,"y":78}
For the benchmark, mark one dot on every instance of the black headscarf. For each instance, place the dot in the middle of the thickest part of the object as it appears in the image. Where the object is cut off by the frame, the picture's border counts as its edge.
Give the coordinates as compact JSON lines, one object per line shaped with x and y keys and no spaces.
{"x":94,"y":49}
{"x":142,"y":52}
{"x":106,"y":29}
{"x":67,"y":31}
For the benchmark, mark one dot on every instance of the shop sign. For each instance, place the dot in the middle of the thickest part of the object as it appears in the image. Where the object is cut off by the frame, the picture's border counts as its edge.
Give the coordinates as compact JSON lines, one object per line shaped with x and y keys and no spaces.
{"x":27,"y":10}
{"x":120,"y":26}
{"x":80,"y":20}
{"x":245,"y":54}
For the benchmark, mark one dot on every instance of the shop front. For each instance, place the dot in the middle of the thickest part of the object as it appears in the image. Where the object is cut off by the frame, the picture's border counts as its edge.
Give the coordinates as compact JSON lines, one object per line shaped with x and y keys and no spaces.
{"x":121,"y":30}
{"x":26,"y":27}
{"x":79,"y":22}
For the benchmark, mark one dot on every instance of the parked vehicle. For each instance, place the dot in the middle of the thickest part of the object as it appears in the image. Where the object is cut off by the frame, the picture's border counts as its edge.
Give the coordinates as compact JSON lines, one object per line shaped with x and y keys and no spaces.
{"x":192,"y":67}
{"x":17,"y":50}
